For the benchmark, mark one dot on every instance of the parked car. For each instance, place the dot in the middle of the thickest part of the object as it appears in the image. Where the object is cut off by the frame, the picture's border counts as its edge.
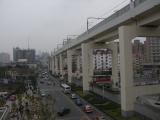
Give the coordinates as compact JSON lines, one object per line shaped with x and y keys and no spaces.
{"x":41,"y":81}
{"x":48,"y":83}
{"x":63,"y":111}
{"x":12,"y":98}
{"x":73,"y":96}
{"x":78,"y":102}
{"x":88,"y":109}
{"x":43,"y":93}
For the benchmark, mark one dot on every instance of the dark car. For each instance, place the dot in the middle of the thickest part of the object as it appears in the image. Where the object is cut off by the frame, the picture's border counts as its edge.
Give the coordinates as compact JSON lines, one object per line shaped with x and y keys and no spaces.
{"x":41,"y":82}
{"x":78,"y":102}
{"x":63,"y":111}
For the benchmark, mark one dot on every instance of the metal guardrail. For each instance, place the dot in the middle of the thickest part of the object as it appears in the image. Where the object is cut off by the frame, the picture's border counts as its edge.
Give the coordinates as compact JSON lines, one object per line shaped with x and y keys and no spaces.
{"x":5,"y":111}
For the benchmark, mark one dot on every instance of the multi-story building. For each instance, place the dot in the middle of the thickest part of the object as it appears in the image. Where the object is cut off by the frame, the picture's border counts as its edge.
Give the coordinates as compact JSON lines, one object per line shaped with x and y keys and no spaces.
{"x":146,"y":60}
{"x":138,"y":56}
{"x":28,"y":54}
{"x":4,"y":58}
{"x":102,"y":59}
{"x":43,"y":58}
{"x":152,"y":50}
{"x":152,"y":58}
{"x":137,"y":47}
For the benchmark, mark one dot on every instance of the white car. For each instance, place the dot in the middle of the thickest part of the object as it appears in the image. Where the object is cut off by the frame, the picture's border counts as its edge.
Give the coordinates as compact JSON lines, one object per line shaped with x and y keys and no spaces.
{"x":43,"y":93}
{"x":73,"y":96}
{"x":49,"y":83}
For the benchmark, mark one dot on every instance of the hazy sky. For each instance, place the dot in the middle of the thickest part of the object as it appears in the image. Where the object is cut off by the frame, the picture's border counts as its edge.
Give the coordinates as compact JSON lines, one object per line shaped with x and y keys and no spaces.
{"x":46,"y":22}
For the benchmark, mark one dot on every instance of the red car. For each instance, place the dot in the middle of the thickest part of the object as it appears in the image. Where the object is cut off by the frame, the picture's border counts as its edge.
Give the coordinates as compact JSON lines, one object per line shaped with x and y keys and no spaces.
{"x":88,"y":109}
{"x":12,"y":98}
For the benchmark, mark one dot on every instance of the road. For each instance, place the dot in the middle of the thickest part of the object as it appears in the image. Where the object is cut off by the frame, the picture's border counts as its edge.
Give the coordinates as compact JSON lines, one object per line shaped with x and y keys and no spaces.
{"x":92,"y":115}
{"x":61,"y":100}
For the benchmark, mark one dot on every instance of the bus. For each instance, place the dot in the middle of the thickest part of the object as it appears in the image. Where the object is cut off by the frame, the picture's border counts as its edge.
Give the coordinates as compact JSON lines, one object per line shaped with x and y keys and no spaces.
{"x":66,"y":88}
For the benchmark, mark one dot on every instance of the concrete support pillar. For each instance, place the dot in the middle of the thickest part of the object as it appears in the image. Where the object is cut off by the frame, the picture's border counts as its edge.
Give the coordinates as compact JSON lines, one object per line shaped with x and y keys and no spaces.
{"x":56,"y":66}
{"x":49,"y":64}
{"x":61,"y":64}
{"x":78,"y":67}
{"x":114,"y":47}
{"x":126,"y":69}
{"x":87,"y":64}
{"x":129,"y":92}
{"x":53,"y":65}
{"x":78,"y":63}
{"x":115,"y":71}
{"x":69,"y":65}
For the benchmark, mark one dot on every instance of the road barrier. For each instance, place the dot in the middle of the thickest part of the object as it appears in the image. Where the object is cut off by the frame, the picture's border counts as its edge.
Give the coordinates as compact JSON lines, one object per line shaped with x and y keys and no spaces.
{"x":4,"y":111}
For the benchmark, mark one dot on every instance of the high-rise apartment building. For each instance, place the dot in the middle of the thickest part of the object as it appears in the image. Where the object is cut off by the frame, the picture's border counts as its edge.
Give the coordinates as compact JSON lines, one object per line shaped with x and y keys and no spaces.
{"x":4,"y":58}
{"x":152,"y":50}
{"x":102,"y":59}
{"x":138,"y":56}
{"x":146,"y":60}
{"x":28,"y":54}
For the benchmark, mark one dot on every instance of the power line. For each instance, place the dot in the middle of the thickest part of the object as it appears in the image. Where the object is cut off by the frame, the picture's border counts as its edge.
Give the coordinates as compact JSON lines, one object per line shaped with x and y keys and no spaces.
{"x":111,"y":10}
{"x":114,"y":8}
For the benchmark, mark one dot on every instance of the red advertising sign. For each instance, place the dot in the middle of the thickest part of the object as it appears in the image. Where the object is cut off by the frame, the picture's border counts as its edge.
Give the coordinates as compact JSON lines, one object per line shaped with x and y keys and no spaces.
{"x":102,"y":79}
